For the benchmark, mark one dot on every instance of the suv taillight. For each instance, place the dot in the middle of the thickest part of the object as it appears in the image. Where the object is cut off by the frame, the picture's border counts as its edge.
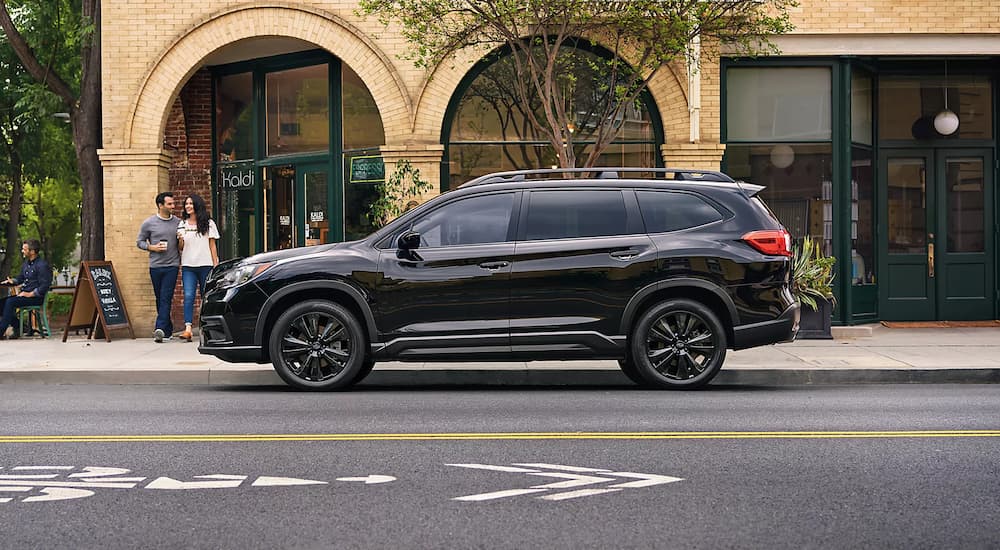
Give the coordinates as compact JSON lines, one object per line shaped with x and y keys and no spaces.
{"x":775,"y":242}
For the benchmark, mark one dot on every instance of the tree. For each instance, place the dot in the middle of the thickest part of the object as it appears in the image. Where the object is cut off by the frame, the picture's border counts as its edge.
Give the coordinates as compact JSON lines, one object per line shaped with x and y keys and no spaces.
{"x":543,"y":39}
{"x":66,"y":34}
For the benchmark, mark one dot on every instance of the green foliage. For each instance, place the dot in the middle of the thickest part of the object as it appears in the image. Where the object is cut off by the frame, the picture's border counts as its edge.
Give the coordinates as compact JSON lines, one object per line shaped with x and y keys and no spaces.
{"x":812,"y":273}
{"x":59,"y":304}
{"x":540,"y":37}
{"x":401,"y":187}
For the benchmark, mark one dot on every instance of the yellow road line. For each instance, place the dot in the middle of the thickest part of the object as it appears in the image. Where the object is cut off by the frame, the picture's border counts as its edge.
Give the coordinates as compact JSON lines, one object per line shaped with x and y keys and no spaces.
{"x":479,"y":436}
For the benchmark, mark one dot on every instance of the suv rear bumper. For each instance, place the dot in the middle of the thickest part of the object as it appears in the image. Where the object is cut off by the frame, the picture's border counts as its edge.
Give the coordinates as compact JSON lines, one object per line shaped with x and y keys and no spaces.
{"x":782,"y":329}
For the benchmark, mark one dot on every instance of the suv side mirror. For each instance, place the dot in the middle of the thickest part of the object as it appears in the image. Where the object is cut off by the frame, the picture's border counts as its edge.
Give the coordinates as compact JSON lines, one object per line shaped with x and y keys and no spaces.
{"x":409,"y":240}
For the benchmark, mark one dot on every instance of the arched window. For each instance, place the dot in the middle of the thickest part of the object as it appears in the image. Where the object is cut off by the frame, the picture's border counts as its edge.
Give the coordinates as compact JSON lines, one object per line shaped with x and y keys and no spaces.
{"x":487,"y":129}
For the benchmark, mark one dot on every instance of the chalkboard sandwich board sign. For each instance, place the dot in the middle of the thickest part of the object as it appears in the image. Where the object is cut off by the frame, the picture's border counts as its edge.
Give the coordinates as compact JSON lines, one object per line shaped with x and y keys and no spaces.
{"x":97,"y":302}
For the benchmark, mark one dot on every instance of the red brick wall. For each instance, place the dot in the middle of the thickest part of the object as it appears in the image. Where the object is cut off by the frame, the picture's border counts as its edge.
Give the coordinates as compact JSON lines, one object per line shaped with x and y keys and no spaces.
{"x":189,"y":137}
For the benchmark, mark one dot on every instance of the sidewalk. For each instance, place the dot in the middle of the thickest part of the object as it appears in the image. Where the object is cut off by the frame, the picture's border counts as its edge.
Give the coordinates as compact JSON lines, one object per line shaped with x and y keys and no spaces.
{"x":925,"y":355}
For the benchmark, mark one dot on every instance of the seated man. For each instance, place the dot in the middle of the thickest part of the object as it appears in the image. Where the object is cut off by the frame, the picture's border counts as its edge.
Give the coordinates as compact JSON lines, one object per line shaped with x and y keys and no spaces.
{"x":35,"y":279}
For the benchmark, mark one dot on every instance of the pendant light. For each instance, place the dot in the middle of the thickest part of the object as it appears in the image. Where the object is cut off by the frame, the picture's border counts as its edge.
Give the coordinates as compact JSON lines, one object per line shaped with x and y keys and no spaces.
{"x":946,"y":122}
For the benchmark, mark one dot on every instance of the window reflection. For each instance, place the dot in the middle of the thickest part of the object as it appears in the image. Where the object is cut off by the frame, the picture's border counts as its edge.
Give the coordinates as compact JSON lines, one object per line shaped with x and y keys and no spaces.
{"x":234,"y":117}
{"x":298,"y":110}
{"x":908,"y":104}
{"x":798,"y":184}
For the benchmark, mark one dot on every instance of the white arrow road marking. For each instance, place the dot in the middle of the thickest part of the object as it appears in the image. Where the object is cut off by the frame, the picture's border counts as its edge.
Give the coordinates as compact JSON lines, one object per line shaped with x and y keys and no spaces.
{"x":78,"y":484}
{"x":19,"y":489}
{"x":647,"y":480}
{"x":575,"y":480}
{"x":224,"y":482}
{"x":56,"y":493}
{"x":499,"y":494}
{"x":579,"y":493}
{"x":43,"y":467}
{"x":101,"y":471}
{"x":567,"y":468}
{"x":572,"y":480}
{"x":369,"y":479}
{"x":267,"y":481}
{"x":28,"y":476}
{"x":491,"y":467}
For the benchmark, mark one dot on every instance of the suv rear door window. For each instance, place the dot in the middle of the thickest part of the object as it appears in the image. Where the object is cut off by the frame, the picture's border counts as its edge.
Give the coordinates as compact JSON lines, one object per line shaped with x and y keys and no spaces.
{"x":573,"y":214}
{"x":475,"y":220}
{"x":664,"y":211}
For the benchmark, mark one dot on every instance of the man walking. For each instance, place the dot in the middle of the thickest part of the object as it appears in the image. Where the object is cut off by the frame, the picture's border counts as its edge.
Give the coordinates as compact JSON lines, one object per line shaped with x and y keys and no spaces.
{"x":35,"y":279}
{"x":158,"y":236}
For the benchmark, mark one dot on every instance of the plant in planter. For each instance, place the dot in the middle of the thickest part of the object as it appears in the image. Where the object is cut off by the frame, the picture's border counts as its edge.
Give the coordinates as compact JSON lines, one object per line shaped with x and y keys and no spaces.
{"x":396,"y":194}
{"x":812,"y":287}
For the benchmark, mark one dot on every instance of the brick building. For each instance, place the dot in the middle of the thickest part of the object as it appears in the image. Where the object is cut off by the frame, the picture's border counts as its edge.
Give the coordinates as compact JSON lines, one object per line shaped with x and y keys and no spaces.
{"x":282,"y":114}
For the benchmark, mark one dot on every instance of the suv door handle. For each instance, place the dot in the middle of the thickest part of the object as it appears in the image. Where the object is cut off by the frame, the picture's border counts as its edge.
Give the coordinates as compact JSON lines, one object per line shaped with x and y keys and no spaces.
{"x":624,"y":254}
{"x":493,"y":266}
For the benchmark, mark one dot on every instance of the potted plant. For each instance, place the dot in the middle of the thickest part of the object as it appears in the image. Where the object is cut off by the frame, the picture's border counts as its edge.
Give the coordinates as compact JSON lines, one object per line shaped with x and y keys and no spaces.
{"x":812,"y":287}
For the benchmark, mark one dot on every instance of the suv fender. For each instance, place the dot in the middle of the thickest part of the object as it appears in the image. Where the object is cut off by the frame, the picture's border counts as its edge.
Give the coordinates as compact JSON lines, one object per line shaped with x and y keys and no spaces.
{"x":359,"y":299}
{"x":645,"y":292}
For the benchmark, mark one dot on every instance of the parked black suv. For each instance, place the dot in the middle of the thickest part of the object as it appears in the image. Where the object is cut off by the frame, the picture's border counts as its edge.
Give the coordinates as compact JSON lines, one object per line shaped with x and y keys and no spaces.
{"x":662,"y":270}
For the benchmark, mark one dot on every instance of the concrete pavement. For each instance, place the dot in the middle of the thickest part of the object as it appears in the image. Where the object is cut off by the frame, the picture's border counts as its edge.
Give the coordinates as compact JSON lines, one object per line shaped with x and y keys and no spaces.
{"x":924,"y":355}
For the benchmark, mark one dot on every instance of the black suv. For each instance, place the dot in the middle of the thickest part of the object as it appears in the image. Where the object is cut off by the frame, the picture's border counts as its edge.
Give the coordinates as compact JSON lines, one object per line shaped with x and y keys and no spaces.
{"x":660,"y":269}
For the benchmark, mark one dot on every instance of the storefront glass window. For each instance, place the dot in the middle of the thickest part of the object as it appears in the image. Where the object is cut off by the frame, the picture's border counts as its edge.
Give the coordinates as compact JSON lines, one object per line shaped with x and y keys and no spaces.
{"x":363,"y":168}
{"x":491,"y":130}
{"x":298,"y":110}
{"x":362,"y":122}
{"x":862,"y":217}
{"x":861,"y":107}
{"x":778,"y":103}
{"x":907,"y":106}
{"x":234,"y":117}
{"x":798,"y":180}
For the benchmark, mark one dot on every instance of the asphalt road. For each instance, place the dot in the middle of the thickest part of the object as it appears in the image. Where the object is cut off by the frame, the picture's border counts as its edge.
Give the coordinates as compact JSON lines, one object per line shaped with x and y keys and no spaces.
{"x":737,"y":467}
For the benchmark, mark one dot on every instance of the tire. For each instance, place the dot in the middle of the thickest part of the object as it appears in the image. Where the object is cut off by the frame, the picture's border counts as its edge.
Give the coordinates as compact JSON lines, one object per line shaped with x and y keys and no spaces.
{"x":317,"y":345}
{"x":678,"y":344}
{"x":366,"y":369}
{"x":629,"y":369}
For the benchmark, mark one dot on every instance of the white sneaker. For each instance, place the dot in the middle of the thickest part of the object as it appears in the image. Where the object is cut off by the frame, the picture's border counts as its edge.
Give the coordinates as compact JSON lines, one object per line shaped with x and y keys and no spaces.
{"x":158,"y":335}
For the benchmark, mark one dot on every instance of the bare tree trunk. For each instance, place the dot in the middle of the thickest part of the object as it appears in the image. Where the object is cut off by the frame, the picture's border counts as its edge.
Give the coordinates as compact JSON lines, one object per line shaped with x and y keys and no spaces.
{"x":87,"y":126}
{"x":13,"y":239}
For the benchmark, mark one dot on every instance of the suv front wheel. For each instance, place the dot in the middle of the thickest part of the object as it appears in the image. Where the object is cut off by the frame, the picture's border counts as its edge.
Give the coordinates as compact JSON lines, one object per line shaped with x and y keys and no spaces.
{"x":317,"y":345}
{"x":678,"y":344}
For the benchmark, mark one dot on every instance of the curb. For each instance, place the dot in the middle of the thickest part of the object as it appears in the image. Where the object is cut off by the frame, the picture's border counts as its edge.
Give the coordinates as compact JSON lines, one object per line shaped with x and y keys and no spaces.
{"x":482,"y":377}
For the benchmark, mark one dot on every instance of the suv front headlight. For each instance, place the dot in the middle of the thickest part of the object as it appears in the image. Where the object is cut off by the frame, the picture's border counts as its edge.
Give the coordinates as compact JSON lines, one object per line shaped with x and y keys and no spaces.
{"x":242,"y":274}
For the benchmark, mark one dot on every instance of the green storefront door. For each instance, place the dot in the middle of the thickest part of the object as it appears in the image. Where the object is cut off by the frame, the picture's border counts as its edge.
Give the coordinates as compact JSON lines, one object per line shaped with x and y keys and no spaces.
{"x":297,"y":204}
{"x":936,"y":244}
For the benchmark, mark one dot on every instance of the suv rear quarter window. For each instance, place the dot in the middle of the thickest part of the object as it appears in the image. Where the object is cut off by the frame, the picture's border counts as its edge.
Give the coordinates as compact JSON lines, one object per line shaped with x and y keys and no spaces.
{"x":664,"y":211}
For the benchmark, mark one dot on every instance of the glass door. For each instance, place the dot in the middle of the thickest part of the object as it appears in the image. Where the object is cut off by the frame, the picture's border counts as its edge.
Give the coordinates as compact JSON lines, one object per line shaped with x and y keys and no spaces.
{"x":314,"y":182}
{"x":937,"y":247}
{"x":280,"y":231}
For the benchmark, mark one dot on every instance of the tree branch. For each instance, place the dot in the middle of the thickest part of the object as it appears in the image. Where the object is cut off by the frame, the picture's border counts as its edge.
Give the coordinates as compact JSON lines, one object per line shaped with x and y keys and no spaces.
{"x":50,"y":80}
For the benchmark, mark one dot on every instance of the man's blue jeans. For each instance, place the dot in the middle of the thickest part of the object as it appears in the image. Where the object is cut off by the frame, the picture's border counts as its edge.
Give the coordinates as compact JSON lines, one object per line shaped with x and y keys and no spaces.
{"x":194,"y":279}
{"x":10,"y":306}
{"x":164,"y":280}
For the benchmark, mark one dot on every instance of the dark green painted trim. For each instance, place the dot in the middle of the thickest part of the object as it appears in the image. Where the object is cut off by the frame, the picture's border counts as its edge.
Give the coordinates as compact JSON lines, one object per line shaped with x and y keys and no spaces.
{"x":489,"y":59}
{"x":840,"y":111}
{"x":335,"y":161}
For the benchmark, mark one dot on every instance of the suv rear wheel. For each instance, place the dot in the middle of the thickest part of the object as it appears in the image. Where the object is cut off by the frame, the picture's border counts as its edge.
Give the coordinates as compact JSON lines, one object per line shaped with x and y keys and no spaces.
{"x":317,"y":345}
{"x":678,"y":344}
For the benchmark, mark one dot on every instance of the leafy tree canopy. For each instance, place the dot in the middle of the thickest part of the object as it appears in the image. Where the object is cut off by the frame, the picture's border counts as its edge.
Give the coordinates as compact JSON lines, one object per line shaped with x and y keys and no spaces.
{"x":542,"y":38}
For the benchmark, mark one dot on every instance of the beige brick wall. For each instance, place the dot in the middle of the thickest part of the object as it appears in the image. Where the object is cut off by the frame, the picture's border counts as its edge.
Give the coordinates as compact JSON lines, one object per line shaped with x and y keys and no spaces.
{"x":151,"y":48}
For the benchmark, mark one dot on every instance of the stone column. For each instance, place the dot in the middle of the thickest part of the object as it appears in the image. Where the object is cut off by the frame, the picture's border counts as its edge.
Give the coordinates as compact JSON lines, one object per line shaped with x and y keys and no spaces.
{"x":426,"y":158}
{"x":697,"y":156}
{"x":132,"y":179}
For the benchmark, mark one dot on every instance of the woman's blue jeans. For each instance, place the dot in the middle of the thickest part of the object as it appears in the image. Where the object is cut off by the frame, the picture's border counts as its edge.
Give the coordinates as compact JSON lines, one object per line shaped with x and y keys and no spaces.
{"x":194,"y":279}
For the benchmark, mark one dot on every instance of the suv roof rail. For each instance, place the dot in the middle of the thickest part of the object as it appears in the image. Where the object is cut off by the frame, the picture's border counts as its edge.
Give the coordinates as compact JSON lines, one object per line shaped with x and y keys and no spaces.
{"x":601,"y":172}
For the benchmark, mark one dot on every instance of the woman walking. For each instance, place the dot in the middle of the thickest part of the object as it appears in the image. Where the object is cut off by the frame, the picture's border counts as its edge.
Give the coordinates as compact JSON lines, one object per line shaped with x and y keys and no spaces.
{"x":196,"y":236}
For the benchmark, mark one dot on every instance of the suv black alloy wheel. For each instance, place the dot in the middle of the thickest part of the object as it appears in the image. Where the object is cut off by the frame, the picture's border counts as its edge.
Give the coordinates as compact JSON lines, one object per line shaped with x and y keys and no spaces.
{"x":317,"y":345}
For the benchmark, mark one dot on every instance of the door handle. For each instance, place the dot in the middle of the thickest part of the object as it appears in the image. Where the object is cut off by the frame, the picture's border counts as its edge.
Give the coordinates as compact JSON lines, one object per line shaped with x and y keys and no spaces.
{"x":930,"y":260}
{"x":624,"y":255}
{"x":493,"y":266}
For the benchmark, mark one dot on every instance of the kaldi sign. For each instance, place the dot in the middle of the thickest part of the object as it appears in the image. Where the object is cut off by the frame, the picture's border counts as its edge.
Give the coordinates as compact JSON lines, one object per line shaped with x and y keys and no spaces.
{"x":237,"y":176}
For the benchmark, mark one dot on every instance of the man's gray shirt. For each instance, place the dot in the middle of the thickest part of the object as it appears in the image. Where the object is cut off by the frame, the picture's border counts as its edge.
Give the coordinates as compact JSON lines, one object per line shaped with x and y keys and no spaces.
{"x":154,"y":230}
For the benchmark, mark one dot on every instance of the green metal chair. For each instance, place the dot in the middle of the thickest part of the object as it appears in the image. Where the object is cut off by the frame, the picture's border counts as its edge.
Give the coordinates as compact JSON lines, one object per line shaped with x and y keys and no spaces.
{"x":40,"y":314}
